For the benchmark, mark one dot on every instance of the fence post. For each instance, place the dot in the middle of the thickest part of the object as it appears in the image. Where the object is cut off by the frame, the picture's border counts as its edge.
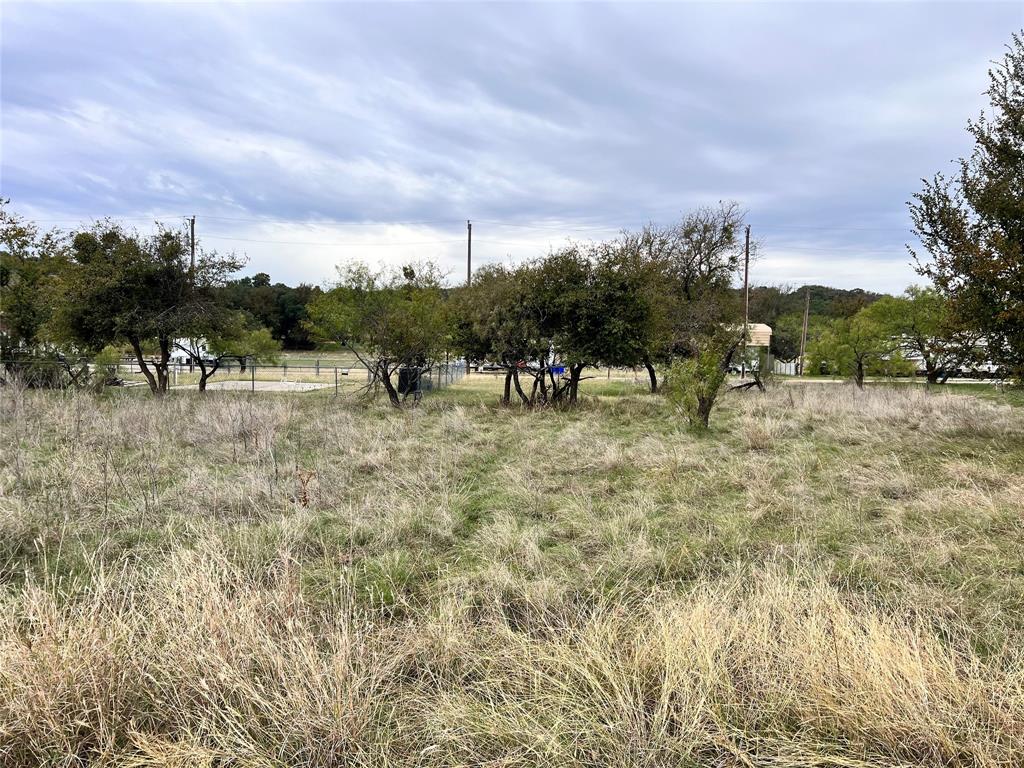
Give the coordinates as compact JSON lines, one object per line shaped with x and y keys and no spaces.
{"x":335,"y":382}
{"x":318,"y":367}
{"x":252,"y":374}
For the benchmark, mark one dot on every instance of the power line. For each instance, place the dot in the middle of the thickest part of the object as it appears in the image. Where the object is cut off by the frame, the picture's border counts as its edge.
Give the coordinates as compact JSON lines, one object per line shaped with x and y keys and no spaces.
{"x":844,"y":251}
{"x":549,"y":226}
{"x":851,"y":250}
{"x":334,"y":222}
{"x":81,"y":219}
{"x":907,"y":228}
{"x":334,"y":243}
{"x":538,"y":225}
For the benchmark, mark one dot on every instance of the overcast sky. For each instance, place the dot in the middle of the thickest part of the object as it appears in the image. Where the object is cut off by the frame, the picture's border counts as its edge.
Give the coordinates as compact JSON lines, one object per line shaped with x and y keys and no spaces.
{"x":303,"y":135}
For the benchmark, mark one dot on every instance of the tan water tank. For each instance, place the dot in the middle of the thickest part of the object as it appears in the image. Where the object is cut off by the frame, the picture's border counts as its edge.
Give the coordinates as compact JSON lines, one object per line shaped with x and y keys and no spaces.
{"x":759,"y":335}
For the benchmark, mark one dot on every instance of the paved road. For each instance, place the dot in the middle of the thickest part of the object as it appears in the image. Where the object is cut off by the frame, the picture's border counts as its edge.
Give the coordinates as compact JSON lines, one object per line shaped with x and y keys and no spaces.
{"x":875,"y":380}
{"x":262,"y":386}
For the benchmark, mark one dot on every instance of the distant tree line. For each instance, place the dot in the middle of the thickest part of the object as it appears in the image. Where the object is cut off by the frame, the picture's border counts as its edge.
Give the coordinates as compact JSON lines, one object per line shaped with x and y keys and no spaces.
{"x":279,"y":308}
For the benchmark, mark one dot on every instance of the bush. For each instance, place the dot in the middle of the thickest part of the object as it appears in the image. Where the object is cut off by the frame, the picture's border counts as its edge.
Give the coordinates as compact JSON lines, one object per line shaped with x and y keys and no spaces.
{"x":695,"y":383}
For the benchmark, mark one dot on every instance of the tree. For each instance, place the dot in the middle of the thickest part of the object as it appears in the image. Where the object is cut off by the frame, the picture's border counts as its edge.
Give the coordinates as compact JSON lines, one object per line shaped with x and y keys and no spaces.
{"x":30,"y":261}
{"x":123,"y":287}
{"x":389,"y":320}
{"x":496,"y":318}
{"x":564,"y":285}
{"x":786,"y":332}
{"x":279,"y":307}
{"x":230,"y":338}
{"x":857,"y":346}
{"x":694,"y":383}
{"x":700,"y":257}
{"x":681,"y":278}
{"x":628,"y":323}
{"x":637,"y":261}
{"x":924,"y":327}
{"x":972,"y":225}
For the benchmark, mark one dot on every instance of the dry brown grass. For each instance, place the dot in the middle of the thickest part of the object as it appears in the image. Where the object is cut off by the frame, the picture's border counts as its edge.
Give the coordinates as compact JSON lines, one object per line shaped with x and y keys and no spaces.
{"x":830,"y":578}
{"x":203,"y":660}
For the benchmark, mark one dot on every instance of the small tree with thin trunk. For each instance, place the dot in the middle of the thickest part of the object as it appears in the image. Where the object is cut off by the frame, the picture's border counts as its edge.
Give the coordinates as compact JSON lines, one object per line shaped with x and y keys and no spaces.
{"x":694,"y":383}
{"x":922,"y":322}
{"x":689,"y":267}
{"x":388,"y":320}
{"x":497,"y":319}
{"x":857,"y":345}
{"x":234,"y":339}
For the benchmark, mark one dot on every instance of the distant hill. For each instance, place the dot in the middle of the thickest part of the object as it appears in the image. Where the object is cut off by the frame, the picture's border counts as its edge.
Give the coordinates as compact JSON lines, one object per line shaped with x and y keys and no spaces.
{"x":769,"y":302}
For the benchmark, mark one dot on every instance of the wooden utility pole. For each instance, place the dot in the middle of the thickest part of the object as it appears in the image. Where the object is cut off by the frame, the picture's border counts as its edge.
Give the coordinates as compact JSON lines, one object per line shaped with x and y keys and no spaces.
{"x":746,"y":302}
{"x":192,"y":247}
{"x":803,"y":333}
{"x":469,"y":266}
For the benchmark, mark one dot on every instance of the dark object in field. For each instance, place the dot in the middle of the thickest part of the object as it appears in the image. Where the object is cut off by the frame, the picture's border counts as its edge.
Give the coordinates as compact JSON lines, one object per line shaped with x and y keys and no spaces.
{"x":408,"y":380}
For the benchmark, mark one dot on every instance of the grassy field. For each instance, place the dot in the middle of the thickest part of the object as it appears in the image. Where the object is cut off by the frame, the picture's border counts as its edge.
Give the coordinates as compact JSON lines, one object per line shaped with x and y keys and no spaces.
{"x":827,"y":578}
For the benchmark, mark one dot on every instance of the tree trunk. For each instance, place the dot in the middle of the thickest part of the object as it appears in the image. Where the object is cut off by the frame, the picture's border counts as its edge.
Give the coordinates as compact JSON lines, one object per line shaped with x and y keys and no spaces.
{"x":858,"y":375}
{"x":162,"y":365}
{"x":704,"y":406}
{"x":519,"y":386}
{"x":543,"y":387}
{"x":574,"y":381}
{"x":143,"y":366}
{"x":652,"y":373}
{"x":385,"y":377}
{"x":506,"y":397}
{"x":205,"y":375}
{"x":556,"y":393}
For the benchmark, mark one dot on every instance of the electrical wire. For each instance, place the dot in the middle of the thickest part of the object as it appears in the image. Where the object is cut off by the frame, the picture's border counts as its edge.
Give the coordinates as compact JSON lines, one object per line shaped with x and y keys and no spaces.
{"x":351,"y":243}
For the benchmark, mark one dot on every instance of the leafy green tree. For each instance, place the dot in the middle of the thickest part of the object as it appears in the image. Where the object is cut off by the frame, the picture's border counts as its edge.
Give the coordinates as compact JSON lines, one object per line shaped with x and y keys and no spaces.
{"x":681,"y":281}
{"x":594,"y":310}
{"x":627,"y":320}
{"x":30,"y":261}
{"x":786,"y":332}
{"x":279,"y":307}
{"x":857,"y":346}
{"x":228,"y":338}
{"x":564,"y":285}
{"x":389,"y":320}
{"x":121,"y":287}
{"x":642,"y":257}
{"x":694,"y":383}
{"x":925,"y":328}
{"x":972,"y":224}
{"x":497,"y":319}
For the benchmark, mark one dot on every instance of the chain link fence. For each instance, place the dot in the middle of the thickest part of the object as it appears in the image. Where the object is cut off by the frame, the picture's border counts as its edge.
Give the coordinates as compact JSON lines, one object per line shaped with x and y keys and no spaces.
{"x":236,"y":375}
